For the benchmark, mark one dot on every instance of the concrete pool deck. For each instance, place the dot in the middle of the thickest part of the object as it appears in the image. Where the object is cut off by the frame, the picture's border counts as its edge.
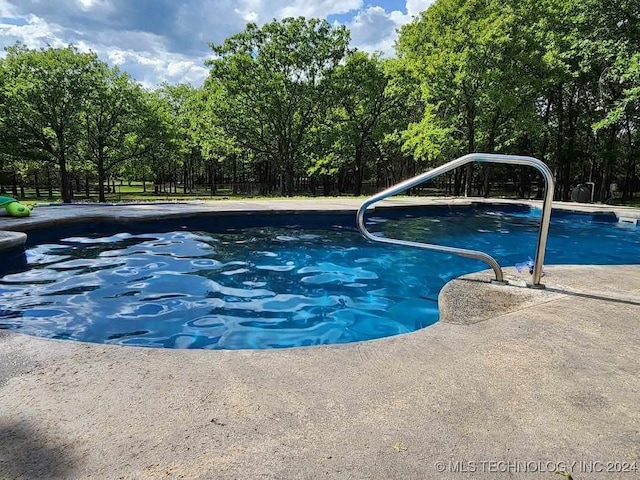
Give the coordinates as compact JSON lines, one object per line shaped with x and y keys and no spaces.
{"x":510,"y":379}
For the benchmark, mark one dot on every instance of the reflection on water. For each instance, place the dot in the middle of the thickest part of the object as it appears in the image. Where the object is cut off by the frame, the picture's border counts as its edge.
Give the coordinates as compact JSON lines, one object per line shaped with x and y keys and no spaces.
{"x":263,"y":288}
{"x":274,"y":287}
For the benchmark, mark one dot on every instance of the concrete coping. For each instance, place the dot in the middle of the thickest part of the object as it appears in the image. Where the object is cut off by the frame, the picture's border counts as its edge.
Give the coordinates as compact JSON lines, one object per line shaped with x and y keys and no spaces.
{"x":10,"y":240}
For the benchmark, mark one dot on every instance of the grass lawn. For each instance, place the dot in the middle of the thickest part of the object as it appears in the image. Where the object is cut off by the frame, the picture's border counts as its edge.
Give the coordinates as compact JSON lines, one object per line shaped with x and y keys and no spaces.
{"x":135,"y":193}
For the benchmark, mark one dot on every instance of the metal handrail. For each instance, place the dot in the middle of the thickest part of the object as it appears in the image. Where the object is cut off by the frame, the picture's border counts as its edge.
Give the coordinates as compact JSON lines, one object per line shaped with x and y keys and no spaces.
{"x":472,"y":157}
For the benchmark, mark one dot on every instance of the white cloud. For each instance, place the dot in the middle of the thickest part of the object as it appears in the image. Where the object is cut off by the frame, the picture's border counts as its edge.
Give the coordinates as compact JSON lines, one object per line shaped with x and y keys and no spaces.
{"x":166,"y":40}
{"x":117,"y":57}
{"x":97,"y":7}
{"x":88,"y":4}
{"x":261,"y":11}
{"x":376,"y":30}
{"x":33,"y":31}
{"x":318,"y":8}
{"x":7,"y":10}
{"x":250,"y":10}
{"x":415,"y":7}
{"x":373,"y":29}
{"x":83,"y":47}
{"x":247,"y":15}
{"x":152,"y":65}
{"x":152,"y":69}
{"x":176,"y":68}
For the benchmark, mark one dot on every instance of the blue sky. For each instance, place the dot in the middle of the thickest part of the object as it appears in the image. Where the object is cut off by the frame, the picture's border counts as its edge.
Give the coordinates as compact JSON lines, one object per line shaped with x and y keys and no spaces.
{"x":167,"y":40}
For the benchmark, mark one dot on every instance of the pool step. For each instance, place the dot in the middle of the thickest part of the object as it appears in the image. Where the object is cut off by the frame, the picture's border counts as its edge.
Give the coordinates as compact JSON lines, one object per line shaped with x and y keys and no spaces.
{"x":628,"y":220}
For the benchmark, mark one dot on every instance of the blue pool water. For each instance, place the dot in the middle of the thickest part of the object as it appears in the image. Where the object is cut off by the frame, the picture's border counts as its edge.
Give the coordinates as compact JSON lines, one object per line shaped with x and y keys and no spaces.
{"x":274,"y":281}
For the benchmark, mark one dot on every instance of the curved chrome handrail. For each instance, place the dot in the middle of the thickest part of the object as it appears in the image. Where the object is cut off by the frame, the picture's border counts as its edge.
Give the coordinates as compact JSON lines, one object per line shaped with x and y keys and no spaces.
{"x":472,"y":157}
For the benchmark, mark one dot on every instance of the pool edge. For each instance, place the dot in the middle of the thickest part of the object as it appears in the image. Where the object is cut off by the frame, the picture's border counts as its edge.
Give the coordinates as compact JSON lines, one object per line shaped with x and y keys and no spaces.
{"x":10,"y":240}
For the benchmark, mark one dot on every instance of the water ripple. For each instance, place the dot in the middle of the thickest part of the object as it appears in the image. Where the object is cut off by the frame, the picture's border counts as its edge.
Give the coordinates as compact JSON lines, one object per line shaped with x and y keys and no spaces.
{"x":269,"y":287}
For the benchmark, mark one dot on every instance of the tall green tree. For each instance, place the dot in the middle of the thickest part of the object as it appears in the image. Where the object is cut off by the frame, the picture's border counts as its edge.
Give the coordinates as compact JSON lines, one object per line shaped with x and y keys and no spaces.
{"x":276,"y":85}
{"x":609,"y":43}
{"x":45,"y":93}
{"x":164,"y":139}
{"x":206,"y":128}
{"x":177,"y":99}
{"x":113,"y":122}
{"x":475,"y":67}
{"x":360,"y":85}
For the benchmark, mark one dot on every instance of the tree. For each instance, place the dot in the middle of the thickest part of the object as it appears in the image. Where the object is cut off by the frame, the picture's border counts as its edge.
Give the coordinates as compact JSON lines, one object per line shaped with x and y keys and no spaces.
{"x":275,"y":82}
{"x":476,"y":66}
{"x":206,"y":128}
{"x":165,"y":145}
{"x":113,"y":118}
{"x":361,"y":93}
{"x":44,"y":95}
{"x":612,"y":39}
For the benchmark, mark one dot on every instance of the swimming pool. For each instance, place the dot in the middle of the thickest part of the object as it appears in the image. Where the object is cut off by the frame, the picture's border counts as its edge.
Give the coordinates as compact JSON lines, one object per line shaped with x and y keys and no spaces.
{"x":275,"y":281}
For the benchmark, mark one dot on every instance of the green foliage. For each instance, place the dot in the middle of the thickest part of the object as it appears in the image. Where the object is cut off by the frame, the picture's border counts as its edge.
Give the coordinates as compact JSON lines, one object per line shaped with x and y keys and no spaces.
{"x":276,"y":82}
{"x":361,"y":100}
{"x":113,"y":119}
{"x":289,"y":107}
{"x":44,"y":93}
{"x":547,"y":78}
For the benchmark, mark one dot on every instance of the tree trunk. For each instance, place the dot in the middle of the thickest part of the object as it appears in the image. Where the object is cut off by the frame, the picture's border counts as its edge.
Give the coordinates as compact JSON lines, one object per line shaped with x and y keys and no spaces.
{"x":471,"y":147}
{"x":468,"y":179}
{"x":491,"y":146}
{"x":326,"y":185}
{"x":49,"y":183}
{"x":457,"y":182}
{"x":101,"y":179}
{"x":185,"y":174}
{"x":287,"y":174}
{"x":212,"y":176}
{"x":631,"y":164}
{"x":37,"y":184}
{"x":65,"y":184}
{"x":487,"y":180}
{"x":358,"y":171}
{"x":289,"y":180}
{"x":14,"y":185}
{"x":64,"y":179}
{"x":235,"y":175}
{"x":566,"y":167}
{"x":559,"y":101}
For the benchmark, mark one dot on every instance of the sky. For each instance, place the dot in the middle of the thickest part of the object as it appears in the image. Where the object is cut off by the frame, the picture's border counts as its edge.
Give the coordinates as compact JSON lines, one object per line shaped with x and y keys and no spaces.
{"x":168,"y":40}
